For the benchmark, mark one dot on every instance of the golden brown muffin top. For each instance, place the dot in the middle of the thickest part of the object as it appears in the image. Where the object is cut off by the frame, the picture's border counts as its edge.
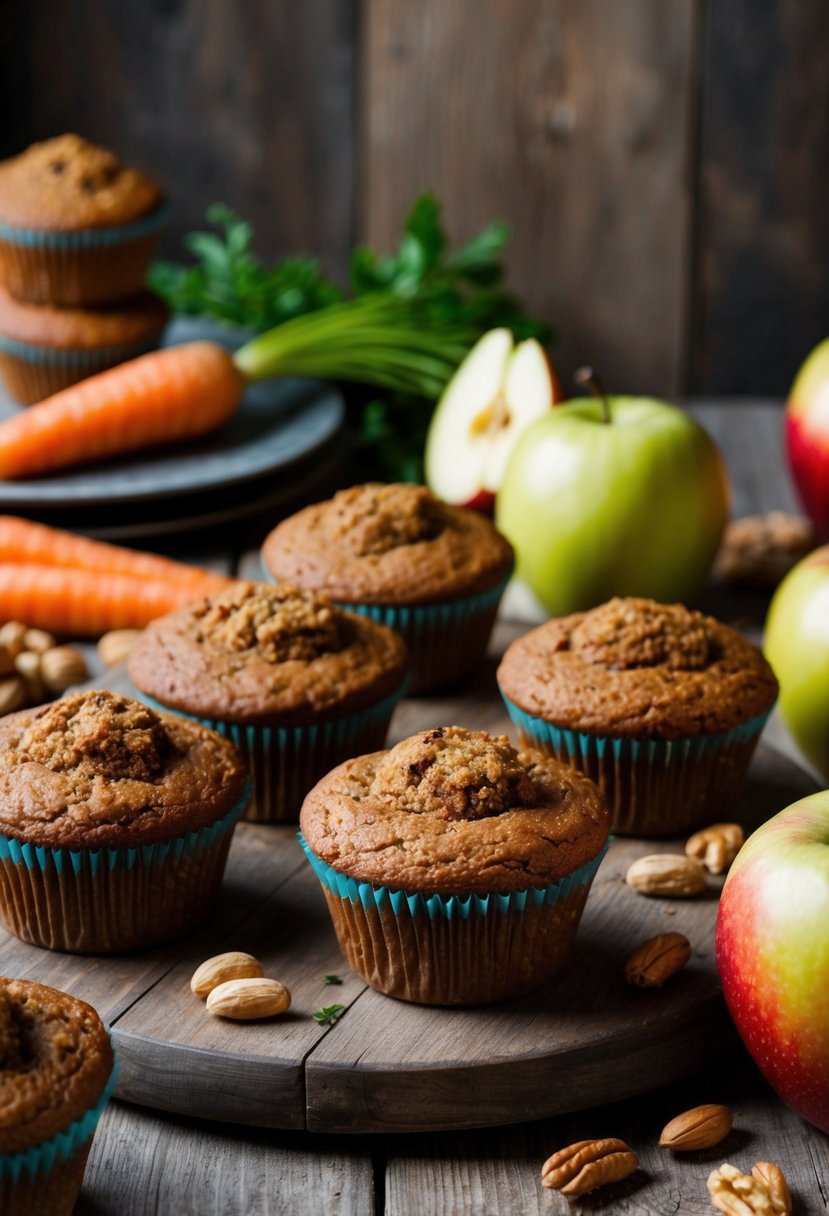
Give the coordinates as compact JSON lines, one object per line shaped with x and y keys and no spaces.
{"x":267,"y":654}
{"x":455,"y":812}
{"x":55,"y":1061}
{"x":632,"y":667}
{"x":388,"y":544}
{"x":66,"y":183}
{"x":99,"y":770}
{"x":142,"y":317}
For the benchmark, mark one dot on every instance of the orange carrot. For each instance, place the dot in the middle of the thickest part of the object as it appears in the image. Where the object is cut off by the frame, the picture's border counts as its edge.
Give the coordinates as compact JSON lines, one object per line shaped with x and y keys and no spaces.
{"x":80,"y":602}
{"x":24,"y":541}
{"x":161,"y":397}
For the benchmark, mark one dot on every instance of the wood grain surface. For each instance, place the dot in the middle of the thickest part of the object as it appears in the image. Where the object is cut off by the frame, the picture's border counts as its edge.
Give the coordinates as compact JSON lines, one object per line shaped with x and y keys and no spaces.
{"x":387,"y":1065}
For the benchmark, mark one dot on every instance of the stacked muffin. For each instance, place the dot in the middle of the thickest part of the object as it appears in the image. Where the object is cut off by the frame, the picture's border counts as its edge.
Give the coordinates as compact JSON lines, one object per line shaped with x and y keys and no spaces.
{"x":77,"y":230}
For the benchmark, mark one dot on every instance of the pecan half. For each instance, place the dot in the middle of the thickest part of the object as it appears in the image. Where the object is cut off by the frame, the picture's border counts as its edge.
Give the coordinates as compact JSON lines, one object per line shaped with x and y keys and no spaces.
{"x":657,"y":959}
{"x":583,"y":1166}
{"x":717,"y":846}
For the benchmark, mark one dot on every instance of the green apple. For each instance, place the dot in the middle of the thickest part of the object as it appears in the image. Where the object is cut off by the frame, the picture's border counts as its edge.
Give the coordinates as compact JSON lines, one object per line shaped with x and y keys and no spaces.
{"x":626,"y":496}
{"x":797,"y":646}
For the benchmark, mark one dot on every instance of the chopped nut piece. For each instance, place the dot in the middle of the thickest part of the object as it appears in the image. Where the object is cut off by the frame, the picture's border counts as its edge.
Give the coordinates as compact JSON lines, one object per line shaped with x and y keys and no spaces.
{"x":772,"y":1175}
{"x":702,"y":1127}
{"x":61,"y":667}
{"x":12,"y":635}
{"x":668,"y":874}
{"x":657,"y":959}
{"x":717,"y":846}
{"x":739,"y":1194}
{"x":38,"y":640}
{"x":583,"y":1166}
{"x":116,"y":646}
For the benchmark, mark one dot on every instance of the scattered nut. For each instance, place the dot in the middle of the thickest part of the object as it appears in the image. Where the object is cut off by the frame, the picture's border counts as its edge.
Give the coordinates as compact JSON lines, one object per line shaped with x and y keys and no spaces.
{"x":7,"y":667}
{"x":12,"y":694}
{"x":245,"y":999}
{"x":234,"y":965}
{"x":774,"y":1178}
{"x":38,"y":640}
{"x":12,"y":635}
{"x":581,"y":1167}
{"x":739,"y":1194}
{"x":668,"y":874}
{"x":62,"y":666}
{"x":702,"y":1127}
{"x":27,"y":664}
{"x":717,"y":846}
{"x":115,"y":647}
{"x":657,"y":959}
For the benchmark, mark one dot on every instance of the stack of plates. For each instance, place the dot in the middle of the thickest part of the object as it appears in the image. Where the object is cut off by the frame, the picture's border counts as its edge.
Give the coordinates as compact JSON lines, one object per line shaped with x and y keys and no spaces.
{"x":282,"y":447}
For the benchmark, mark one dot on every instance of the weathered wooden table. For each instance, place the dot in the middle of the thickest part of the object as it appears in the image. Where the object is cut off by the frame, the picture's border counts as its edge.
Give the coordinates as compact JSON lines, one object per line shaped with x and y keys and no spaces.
{"x":145,"y":1163}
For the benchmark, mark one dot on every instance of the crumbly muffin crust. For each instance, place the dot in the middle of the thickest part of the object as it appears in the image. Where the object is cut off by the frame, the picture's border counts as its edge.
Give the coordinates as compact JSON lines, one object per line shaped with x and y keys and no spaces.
{"x":454,"y":811}
{"x":388,"y":544}
{"x":67,"y":183}
{"x":55,"y":1060}
{"x":267,"y":655}
{"x":98,"y":770}
{"x":136,"y":320}
{"x":632,"y":667}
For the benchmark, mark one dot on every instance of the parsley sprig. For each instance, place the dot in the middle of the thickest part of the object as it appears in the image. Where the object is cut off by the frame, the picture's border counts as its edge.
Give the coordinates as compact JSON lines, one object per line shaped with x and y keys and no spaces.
{"x":329,"y":1014}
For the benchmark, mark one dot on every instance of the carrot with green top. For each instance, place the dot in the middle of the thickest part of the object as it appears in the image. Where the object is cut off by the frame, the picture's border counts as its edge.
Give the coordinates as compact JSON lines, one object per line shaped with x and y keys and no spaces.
{"x":165,"y":396}
{"x":84,"y":602}
{"x":24,"y":541}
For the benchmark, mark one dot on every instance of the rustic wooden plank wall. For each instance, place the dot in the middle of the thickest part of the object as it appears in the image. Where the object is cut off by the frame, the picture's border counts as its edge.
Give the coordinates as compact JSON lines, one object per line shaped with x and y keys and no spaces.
{"x":664,"y":167}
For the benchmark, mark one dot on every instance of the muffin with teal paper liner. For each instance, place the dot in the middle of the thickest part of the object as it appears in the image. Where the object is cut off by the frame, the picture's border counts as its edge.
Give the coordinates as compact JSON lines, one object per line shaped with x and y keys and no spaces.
{"x":56,"y":1075}
{"x":76,"y":226}
{"x":296,"y":683}
{"x":115,"y":823}
{"x":455,"y":869}
{"x":660,"y":705}
{"x":397,"y":554}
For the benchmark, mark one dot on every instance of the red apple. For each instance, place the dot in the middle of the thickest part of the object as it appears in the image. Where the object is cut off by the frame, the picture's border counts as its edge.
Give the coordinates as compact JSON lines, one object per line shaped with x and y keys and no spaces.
{"x":773,"y":953}
{"x":495,"y":394}
{"x":807,"y":436}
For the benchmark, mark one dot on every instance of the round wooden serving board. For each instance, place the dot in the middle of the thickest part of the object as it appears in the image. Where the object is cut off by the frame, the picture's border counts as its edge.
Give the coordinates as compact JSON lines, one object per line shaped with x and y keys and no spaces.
{"x":385,"y":1065}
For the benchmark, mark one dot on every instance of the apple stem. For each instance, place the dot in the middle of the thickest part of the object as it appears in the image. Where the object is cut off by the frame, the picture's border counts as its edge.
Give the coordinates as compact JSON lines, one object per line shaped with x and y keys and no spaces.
{"x":585,"y":377}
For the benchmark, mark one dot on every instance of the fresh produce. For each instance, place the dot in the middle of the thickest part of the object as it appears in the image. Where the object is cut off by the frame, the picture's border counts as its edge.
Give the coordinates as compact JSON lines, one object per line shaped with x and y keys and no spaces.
{"x":21,"y":540}
{"x":772,"y":948}
{"x":412,"y":318}
{"x":797,"y":646}
{"x":161,"y":397}
{"x":807,"y":436}
{"x":84,"y":602}
{"x":497,"y":391}
{"x":613,"y":496}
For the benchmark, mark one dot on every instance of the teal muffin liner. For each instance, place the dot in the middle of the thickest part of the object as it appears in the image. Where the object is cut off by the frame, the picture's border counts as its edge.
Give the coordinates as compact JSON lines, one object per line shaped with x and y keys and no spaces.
{"x":285,"y":762}
{"x":41,"y":1158}
{"x":33,"y":372}
{"x":87,"y":238}
{"x":446,"y":640}
{"x":655,"y":787}
{"x":113,"y":899}
{"x":457,"y":949}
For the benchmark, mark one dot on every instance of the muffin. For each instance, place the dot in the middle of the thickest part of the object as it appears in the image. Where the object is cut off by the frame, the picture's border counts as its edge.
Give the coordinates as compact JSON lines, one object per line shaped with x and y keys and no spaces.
{"x":399,"y":555}
{"x":455,"y":869}
{"x":56,"y":1075}
{"x":115,"y":822}
{"x":76,"y":226}
{"x":44,"y":349}
{"x":297,"y":684}
{"x":661,"y":706}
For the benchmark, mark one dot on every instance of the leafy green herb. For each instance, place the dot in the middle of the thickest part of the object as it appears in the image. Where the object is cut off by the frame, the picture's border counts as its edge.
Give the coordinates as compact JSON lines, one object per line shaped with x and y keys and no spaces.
{"x":329,"y":1014}
{"x":412,"y":317}
{"x":332,"y":979}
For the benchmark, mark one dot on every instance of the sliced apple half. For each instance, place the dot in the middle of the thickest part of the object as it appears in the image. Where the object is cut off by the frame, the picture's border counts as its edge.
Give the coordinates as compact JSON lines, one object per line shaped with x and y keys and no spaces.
{"x":495,"y":394}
